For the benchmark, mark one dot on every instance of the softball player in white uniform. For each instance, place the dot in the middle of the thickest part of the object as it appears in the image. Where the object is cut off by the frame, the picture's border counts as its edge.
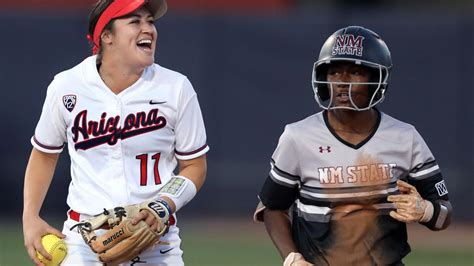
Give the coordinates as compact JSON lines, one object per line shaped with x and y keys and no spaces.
{"x":124,"y":139}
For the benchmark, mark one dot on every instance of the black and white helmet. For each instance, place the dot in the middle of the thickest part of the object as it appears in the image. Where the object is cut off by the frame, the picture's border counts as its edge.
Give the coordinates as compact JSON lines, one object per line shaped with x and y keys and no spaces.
{"x":360,"y":46}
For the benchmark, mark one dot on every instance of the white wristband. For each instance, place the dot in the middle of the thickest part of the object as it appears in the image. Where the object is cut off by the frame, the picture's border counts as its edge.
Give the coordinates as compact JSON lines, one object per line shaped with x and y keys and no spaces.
{"x":180,"y":190}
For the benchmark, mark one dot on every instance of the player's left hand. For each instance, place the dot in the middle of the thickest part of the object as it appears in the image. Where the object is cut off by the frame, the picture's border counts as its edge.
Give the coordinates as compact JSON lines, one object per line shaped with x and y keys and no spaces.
{"x":132,"y":229}
{"x":409,"y":204}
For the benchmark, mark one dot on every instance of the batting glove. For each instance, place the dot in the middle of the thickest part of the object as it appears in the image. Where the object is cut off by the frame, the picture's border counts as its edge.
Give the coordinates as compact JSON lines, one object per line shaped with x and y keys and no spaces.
{"x":295,"y":259}
{"x":410,"y":206}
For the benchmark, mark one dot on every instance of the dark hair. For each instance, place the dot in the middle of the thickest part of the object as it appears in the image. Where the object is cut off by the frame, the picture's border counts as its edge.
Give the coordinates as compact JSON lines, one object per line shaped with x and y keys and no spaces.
{"x":97,"y":10}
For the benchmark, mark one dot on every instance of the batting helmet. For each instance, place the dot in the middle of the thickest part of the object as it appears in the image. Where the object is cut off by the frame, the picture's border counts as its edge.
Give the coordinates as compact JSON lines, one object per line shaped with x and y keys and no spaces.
{"x":360,"y":46}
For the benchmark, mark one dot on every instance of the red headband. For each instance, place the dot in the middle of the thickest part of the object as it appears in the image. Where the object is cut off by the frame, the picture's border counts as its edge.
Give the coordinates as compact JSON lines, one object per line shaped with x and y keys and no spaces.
{"x":117,"y":8}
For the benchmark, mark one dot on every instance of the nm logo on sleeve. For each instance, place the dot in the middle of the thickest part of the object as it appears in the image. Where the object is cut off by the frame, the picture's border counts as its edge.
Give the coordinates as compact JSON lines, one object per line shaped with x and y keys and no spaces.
{"x":441,"y":188}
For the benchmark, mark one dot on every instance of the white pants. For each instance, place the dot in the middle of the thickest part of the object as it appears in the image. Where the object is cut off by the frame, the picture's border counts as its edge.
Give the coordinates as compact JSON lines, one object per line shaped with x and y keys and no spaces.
{"x":79,"y":253}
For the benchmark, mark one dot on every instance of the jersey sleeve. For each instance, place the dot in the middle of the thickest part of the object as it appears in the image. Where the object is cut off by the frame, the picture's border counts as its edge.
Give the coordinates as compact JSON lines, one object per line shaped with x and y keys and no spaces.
{"x":190,"y":130}
{"x":281,"y":186}
{"x":426,"y":176}
{"x":50,"y":132}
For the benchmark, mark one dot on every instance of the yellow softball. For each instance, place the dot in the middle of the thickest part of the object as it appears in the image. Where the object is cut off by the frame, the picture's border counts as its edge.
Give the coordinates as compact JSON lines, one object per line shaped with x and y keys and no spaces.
{"x":54,"y":246}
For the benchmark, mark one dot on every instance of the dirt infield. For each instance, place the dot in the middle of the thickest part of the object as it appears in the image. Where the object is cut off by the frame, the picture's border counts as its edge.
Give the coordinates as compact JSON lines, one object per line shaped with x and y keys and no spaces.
{"x":209,"y":242}
{"x":456,"y":236}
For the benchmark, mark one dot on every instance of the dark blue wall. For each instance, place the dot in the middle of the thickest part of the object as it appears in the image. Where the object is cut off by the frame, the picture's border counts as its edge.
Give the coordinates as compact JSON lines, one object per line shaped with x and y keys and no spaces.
{"x":252,"y":74}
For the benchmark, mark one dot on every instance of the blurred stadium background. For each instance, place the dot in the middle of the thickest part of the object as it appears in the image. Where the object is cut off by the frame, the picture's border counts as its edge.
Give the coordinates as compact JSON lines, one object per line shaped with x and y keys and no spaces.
{"x":250,"y":62}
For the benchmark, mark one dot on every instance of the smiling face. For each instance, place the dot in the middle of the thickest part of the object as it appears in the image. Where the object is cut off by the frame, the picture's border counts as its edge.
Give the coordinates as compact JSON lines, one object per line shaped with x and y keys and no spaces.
{"x":132,"y":40}
{"x":340,"y":75}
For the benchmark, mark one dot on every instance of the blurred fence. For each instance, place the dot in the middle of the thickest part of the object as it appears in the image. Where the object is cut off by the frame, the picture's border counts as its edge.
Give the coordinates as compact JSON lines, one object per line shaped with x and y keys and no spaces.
{"x":252,"y":74}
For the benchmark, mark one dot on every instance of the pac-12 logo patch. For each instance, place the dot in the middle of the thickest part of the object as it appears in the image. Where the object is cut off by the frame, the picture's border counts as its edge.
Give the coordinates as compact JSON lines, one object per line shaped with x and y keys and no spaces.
{"x":69,"y":102}
{"x":441,"y":188}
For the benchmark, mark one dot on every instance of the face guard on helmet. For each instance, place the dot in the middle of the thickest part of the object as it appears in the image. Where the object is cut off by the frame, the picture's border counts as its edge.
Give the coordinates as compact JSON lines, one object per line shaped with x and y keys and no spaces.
{"x":359,"y":46}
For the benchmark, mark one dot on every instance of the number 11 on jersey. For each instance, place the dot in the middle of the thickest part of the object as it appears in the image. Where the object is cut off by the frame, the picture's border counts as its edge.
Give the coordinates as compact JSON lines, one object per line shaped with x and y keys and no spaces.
{"x":144,"y":167}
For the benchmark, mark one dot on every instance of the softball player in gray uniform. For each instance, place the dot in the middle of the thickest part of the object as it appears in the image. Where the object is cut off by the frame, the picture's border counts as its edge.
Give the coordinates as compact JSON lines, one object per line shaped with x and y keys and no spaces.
{"x":127,"y":123}
{"x":345,"y":181}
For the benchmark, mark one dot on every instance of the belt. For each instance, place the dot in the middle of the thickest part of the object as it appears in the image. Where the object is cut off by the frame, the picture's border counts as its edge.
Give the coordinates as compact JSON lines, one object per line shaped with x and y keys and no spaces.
{"x":77,"y":217}
{"x":74,"y":215}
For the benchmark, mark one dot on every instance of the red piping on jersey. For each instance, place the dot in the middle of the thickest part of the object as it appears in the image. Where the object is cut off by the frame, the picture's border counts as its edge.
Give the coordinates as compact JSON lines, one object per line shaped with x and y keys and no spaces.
{"x":45,"y":146}
{"x":191,"y":152}
{"x":117,"y":8}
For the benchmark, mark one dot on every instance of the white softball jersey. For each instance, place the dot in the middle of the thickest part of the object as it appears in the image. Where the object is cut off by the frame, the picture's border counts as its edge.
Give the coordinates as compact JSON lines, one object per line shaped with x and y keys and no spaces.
{"x":123,"y":147}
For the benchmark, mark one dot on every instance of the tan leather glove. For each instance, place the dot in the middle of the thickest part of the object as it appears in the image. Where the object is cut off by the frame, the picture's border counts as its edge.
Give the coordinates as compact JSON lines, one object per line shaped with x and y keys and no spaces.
{"x":124,"y":240}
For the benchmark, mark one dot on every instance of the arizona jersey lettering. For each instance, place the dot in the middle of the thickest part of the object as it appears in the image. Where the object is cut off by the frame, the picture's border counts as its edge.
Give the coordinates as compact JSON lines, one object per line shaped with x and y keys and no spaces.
{"x":123,"y":147}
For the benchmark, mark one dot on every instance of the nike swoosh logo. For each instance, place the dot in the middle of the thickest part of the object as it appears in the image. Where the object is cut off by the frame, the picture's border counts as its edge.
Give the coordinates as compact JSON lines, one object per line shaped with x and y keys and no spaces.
{"x":152,"y":102}
{"x":165,"y":251}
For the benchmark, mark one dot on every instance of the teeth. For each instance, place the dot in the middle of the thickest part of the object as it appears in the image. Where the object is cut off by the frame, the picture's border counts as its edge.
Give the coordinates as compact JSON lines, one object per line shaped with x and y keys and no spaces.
{"x":144,"y":42}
